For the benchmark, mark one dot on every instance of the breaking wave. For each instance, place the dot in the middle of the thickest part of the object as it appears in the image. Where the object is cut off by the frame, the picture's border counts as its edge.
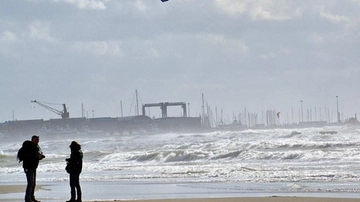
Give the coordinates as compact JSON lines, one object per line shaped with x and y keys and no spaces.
{"x":250,"y":155}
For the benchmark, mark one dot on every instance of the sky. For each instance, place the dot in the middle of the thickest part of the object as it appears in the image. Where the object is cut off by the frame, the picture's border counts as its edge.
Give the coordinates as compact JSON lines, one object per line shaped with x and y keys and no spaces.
{"x":239,"y":55}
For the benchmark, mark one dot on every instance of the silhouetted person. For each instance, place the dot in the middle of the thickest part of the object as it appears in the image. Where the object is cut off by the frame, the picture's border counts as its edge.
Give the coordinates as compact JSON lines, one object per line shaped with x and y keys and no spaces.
{"x":74,"y":167}
{"x":31,"y":155}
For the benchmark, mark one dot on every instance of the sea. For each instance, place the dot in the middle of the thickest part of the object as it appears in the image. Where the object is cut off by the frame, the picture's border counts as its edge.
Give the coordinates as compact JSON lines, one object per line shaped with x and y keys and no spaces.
{"x":323,"y":161}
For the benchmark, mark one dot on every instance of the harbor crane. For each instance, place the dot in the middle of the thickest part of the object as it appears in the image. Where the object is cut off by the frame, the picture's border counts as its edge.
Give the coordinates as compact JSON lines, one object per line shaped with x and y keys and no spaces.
{"x":64,"y":113}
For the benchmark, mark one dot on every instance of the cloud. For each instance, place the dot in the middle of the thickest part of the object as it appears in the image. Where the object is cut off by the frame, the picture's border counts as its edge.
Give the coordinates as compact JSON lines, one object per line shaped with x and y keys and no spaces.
{"x":140,"y":5}
{"x":239,"y":52}
{"x":262,"y":9}
{"x":41,"y":31}
{"x":316,"y":38}
{"x":8,"y":37}
{"x":220,"y":40}
{"x":87,"y":4}
{"x":285,"y":10}
{"x":356,"y":2}
{"x":153,"y":52}
{"x":10,"y":44}
{"x":281,"y":52}
{"x":333,"y":18}
{"x":111,"y":48}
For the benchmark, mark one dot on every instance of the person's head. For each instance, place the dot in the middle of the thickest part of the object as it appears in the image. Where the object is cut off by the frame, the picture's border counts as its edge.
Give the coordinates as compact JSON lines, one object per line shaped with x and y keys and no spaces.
{"x":75,"y":145}
{"x":35,"y":139}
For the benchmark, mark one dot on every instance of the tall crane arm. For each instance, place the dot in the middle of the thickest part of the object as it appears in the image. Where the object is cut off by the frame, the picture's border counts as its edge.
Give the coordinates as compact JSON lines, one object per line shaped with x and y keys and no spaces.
{"x":64,"y":114}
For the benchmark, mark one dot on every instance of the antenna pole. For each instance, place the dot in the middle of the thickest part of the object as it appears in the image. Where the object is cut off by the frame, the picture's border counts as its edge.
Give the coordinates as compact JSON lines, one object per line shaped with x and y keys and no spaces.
{"x":121,"y":107}
{"x":137,"y":104}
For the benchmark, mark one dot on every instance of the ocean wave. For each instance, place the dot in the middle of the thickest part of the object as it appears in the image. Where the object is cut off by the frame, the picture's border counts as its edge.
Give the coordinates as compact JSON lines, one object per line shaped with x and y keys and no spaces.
{"x":232,"y":154}
{"x":309,"y":145}
{"x":292,"y":134}
{"x":169,"y":156}
{"x":295,"y":186}
{"x":181,"y":156}
{"x":95,"y":155}
{"x":279,"y":156}
{"x":145,"y":157}
{"x":3,"y":155}
{"x":271,"y":155}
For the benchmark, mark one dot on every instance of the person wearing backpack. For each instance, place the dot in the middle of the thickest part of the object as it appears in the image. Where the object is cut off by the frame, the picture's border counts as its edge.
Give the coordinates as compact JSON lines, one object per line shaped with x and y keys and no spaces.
{"x":30,"y":154}
{"x":74,"y":168}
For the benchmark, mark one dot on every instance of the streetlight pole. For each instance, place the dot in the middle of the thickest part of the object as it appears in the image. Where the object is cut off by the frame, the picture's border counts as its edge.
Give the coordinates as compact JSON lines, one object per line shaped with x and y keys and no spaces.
{"x":302,"y":114}
{"x":337,"y":109}
{"x":121,"y":107}
{"x":189,"y":109}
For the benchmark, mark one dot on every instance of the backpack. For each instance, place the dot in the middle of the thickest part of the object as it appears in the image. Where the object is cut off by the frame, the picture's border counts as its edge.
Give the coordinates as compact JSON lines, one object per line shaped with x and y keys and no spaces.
{"x":21,"y":154}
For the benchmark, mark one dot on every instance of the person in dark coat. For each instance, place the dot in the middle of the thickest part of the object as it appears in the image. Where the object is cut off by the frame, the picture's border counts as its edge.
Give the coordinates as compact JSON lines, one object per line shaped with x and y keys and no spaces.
{"x":74,"y":168}
{"x":31,"y":156}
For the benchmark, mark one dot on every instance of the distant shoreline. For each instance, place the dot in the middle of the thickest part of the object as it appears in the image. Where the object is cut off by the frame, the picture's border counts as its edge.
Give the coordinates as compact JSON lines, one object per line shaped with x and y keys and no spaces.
{"x":144,"y":124}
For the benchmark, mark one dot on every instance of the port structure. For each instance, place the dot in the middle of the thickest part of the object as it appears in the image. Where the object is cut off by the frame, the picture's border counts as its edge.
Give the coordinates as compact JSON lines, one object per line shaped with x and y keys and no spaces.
{"x":64,"y":113}
{"x":163,"y":106}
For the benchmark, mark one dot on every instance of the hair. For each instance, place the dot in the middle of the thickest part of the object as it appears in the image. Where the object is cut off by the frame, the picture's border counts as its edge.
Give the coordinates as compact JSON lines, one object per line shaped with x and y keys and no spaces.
{"x":75,"y":145}
{"x":34,"y":137}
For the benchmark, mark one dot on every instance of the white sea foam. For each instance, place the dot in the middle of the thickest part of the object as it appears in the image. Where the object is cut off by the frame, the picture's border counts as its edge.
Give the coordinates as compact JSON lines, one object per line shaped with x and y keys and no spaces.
{"x":271,"y":155}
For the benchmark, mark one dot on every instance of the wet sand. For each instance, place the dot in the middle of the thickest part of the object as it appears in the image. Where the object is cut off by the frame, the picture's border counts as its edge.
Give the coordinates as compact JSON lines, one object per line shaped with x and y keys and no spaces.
{"x":5,"y":189}
{"x":252,"y":199}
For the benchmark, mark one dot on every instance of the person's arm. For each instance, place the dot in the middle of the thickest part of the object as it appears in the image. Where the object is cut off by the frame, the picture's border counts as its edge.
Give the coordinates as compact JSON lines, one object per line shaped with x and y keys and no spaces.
{"x":40,"y":154}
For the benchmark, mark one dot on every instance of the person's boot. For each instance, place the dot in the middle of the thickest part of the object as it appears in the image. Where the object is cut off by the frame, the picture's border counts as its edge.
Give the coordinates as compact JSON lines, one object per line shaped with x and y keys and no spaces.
{"x":72,"y":199}
{"x":34,"y":200}
{"x":79,"y":198}
{"x":79,"y":195}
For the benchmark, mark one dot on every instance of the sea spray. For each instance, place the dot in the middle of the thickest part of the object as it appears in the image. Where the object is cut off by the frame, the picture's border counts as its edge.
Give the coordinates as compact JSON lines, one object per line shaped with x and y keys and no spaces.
{"x":256,"y":156}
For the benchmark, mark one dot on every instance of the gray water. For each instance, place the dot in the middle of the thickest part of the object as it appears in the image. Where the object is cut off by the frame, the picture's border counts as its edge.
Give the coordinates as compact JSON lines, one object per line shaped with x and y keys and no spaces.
{"x":262,"y":161}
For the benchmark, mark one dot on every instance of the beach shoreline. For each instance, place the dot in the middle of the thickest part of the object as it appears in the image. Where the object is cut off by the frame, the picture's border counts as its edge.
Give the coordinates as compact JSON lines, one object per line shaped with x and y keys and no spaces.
{"x":16,"y":188}
{"x":250,"y":199}
{"x":6,"y":192}
{"x":236,"y":199}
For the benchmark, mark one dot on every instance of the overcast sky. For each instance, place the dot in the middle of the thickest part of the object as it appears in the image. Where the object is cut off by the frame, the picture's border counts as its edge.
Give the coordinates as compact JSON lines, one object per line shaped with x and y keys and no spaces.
{"x":258,"y":55}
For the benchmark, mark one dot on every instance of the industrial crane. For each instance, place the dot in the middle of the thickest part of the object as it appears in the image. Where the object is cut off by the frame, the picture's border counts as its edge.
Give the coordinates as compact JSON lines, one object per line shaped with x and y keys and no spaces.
{"x":64,"y":113}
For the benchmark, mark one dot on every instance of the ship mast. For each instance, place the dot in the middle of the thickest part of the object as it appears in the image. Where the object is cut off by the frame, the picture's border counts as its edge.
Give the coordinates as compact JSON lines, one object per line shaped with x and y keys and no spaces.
{"x":137,"y":104}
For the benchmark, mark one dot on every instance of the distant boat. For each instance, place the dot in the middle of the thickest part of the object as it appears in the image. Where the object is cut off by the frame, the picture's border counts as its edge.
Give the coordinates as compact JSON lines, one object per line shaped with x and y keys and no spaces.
{"x":328,"y":132}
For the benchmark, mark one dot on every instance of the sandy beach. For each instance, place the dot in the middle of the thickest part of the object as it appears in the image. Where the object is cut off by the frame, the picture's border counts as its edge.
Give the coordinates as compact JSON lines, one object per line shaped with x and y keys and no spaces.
{"x":239,"y":199}
{"x":6,"y":189}
{"x":244,"y":199}
{"x":253,"y":199}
